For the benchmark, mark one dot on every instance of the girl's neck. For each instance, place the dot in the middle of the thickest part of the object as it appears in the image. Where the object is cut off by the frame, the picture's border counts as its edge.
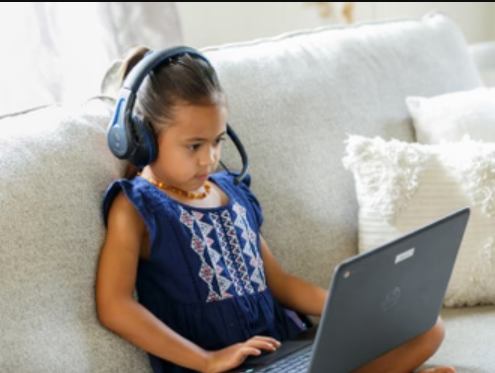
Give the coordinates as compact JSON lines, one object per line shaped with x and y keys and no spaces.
{"x":149,"y":173}
{"x":217,"y":197}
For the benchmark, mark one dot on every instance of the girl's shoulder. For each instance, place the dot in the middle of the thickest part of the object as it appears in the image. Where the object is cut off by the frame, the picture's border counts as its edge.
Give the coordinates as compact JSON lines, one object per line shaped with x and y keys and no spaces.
{"x":229,"y":177}
{"x":129,"y":187}
{"x":242,"y":190}
{"x":226,"y":180}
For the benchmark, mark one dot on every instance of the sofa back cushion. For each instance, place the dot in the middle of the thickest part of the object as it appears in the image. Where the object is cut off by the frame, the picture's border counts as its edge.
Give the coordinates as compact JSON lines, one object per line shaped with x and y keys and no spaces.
{"x":294,"y":98}
{"x":55,"y":167}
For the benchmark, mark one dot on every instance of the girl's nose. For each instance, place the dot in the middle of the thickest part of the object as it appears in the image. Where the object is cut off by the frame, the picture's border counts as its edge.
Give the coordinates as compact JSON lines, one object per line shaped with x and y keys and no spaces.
{"x":209,"y":156}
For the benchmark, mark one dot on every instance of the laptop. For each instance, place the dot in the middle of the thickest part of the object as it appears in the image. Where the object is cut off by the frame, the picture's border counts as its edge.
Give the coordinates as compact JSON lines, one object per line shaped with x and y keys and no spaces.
{"x":377,"y":301}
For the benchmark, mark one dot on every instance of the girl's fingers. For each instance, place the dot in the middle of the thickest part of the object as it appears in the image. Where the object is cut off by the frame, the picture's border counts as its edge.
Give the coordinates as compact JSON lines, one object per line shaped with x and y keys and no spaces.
{"x":247,"y":351}
{"x":261,"y":344}
{"x":267,"y":339}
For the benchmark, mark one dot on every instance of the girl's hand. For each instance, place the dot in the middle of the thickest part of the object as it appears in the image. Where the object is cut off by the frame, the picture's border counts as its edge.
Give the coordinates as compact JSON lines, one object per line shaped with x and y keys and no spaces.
{"x":233,"y":356}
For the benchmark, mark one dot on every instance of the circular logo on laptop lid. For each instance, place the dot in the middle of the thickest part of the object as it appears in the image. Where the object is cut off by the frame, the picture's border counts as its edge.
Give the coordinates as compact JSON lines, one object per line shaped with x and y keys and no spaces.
{"x":391,"y":299}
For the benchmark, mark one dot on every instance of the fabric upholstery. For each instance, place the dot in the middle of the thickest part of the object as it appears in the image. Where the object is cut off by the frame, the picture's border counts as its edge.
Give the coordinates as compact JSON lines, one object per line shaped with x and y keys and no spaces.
{"x":55,"y":167}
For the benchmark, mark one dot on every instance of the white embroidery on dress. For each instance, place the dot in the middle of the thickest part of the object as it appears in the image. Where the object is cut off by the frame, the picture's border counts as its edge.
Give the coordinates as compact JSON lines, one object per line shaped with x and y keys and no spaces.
{"x":236,"y":250}
{"x":231,"y":252}
{"x":198,"y":245}
{"x":250,"y":247}
{"x":223,"y":282}
{"x":226,"y":254}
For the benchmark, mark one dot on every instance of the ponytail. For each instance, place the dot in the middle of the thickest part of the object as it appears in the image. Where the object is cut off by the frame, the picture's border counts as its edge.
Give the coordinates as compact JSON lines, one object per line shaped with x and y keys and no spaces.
{"x":133,"y":57}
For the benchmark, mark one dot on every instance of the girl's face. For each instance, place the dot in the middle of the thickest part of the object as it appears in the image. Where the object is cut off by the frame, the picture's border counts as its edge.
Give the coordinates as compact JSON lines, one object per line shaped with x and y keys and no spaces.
{"x":190,"y":149}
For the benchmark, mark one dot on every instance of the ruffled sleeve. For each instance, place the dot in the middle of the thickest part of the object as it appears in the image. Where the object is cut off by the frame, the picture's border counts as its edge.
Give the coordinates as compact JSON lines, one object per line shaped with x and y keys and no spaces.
{"x":244,"y":189}
{"x":134,"y":196}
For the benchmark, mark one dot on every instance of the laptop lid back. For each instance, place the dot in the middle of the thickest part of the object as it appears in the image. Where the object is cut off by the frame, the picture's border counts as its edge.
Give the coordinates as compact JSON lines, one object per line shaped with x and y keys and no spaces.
{"x":384,"y":297}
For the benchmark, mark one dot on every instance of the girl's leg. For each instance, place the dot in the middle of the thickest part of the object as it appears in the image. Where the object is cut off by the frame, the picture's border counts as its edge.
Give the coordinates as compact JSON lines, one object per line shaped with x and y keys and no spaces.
{"x":411,"y":355}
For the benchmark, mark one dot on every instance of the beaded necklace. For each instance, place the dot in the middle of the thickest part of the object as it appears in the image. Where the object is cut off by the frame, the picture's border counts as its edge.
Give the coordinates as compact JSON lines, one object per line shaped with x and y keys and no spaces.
{"x":161,"y":185}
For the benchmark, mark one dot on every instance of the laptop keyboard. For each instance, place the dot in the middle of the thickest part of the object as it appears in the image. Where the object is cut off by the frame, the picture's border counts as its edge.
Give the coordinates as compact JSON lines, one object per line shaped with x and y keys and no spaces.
{"x":295,"y":363}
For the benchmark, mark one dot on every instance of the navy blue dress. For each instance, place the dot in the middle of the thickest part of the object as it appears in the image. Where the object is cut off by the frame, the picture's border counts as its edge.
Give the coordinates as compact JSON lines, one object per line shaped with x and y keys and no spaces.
{"x":205,"y":277}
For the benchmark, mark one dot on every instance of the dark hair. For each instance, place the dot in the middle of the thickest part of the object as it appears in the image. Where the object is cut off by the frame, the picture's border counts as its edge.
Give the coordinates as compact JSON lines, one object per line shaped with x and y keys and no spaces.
{"x":184,"y":79}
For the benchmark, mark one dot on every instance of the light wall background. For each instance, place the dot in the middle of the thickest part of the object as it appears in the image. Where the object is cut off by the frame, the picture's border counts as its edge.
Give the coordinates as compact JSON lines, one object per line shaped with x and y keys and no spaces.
{"x":213,"y":23}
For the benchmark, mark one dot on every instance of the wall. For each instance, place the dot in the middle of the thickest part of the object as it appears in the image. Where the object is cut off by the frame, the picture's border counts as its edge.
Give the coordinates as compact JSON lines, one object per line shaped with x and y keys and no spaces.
{"x":213,"y":23}
{"x":492,"y":11}
{"x":476,"y":19}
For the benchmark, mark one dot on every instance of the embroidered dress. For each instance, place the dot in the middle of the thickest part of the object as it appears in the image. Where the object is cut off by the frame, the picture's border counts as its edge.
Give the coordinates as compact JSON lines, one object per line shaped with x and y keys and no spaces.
{"x":205,"y":277}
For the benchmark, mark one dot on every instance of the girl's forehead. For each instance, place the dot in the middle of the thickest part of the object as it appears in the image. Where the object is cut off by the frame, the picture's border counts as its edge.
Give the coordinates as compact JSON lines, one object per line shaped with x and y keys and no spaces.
{"x":189,"y":116}
{"x":199,"y":120}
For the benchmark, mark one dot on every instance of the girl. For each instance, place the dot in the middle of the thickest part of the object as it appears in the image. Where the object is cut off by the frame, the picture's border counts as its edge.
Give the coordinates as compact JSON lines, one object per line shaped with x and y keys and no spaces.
{"x":210,"y":291}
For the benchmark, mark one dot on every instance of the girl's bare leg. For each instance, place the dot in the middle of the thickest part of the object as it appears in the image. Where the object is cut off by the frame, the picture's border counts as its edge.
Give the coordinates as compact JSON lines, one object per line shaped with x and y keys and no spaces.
{"x":410,"y":356}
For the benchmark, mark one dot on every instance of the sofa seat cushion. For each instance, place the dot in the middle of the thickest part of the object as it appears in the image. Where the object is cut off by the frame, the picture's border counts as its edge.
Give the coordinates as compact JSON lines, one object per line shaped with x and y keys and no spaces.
{"x":469,"y":340}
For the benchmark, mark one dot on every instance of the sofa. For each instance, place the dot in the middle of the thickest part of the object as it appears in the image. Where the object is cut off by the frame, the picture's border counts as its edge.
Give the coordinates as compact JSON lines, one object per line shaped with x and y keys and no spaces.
{"x":293,"y":100}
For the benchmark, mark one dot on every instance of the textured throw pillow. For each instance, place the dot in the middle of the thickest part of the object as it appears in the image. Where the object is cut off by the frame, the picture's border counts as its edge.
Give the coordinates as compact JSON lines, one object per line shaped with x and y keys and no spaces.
{"x":451,"y":116}
{"x":55,"y":167}
{"x":403,"y":186}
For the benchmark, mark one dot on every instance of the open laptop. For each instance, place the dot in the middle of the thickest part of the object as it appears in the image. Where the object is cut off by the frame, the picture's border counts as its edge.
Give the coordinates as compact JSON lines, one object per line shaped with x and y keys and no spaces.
{"x":378,"y":300}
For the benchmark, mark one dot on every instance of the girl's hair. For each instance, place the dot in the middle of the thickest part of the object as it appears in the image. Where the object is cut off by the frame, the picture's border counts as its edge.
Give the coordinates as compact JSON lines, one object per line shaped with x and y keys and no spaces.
{"x":182,"y":80}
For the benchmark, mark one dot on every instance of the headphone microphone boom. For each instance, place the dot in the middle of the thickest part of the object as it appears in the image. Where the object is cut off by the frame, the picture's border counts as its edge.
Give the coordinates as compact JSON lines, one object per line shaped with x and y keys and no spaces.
{"x":132,"y":138}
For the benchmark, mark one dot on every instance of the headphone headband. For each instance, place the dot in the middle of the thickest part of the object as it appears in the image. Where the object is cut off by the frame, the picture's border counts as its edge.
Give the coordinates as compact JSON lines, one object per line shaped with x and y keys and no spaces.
{"x":153,"y":59}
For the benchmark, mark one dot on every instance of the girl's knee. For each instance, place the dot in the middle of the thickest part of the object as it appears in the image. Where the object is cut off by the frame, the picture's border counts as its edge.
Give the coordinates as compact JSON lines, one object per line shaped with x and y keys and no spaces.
{"x":433,"y":338}
{"x":438,"y":330}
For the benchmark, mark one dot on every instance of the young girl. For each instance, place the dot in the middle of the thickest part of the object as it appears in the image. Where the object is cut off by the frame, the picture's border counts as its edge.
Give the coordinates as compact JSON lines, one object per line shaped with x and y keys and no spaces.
{"x":210,"y":291}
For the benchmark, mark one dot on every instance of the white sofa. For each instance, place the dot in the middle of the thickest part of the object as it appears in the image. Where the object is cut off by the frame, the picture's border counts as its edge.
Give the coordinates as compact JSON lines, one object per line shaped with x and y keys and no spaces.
{"x":293,"y":99}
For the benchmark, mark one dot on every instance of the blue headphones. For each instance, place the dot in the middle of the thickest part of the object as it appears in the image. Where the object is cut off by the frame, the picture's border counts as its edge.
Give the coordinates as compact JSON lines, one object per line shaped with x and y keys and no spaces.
{"x":132,"y":139}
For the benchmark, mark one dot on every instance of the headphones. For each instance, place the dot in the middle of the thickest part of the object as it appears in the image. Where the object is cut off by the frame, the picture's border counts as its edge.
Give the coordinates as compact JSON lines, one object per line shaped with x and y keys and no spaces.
{"x":133,"y":139}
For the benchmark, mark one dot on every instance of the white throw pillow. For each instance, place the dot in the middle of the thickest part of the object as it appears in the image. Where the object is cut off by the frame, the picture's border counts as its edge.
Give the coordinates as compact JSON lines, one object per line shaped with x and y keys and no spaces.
{"x":403,"y":186}
{"x":55,"y":167}
{"x":451,"y":116}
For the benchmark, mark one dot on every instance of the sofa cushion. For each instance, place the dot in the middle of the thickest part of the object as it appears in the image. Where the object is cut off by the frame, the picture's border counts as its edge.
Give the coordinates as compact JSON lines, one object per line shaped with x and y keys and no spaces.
{"x":402,"y":187}
{"x":451,"y":116}
{"x":55,"y":167}
{"x":469,"y":340}
{"x":294,"y":98}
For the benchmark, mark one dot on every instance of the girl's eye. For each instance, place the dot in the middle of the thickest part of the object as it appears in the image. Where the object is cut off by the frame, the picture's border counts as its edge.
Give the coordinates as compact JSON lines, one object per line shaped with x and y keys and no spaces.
{"x":194,"y":147}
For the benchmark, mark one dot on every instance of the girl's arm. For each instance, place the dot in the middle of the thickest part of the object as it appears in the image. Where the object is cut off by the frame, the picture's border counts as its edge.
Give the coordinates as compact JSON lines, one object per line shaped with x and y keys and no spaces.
{"x":292,"y":292}
{"x":117,"y":309}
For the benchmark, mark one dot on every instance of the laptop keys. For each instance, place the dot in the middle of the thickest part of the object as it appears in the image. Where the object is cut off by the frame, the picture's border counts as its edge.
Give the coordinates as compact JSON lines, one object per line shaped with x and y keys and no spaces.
{"x":296,"y":363}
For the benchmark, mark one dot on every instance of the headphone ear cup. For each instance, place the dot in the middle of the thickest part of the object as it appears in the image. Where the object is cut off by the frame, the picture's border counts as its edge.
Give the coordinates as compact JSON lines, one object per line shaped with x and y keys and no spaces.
{"x":145,"y":143}
{"x":153,"y":142}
